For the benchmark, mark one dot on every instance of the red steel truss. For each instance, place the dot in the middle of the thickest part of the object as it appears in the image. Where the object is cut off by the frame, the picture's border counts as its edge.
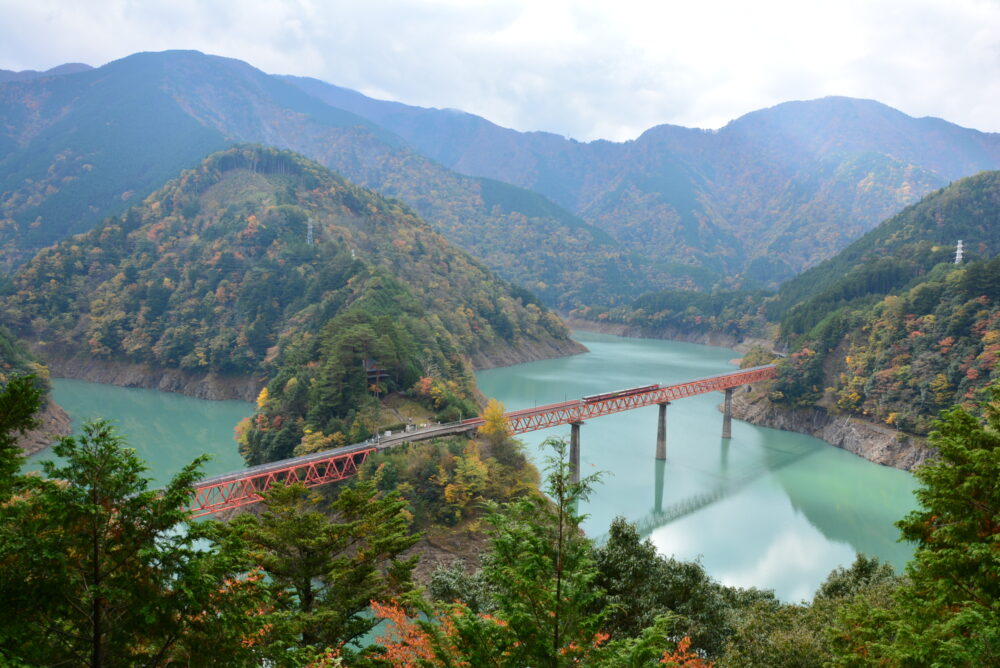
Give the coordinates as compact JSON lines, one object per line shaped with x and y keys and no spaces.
{"x":578,"y":410}
{"x":241,"y":488}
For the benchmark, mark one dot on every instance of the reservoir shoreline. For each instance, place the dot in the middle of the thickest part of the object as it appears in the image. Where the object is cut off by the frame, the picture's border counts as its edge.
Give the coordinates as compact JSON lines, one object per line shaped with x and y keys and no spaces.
{"x":795,"y":507}
{"x":220,"y":387}
{"x":865,"y":439}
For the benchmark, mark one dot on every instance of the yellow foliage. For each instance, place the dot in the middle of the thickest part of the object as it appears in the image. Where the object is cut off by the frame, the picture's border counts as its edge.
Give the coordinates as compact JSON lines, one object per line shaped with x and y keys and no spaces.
{"x":241,"y":430}
{"x":262,"y":398}
{"x":317,"y":441}
{"x":495,"y":427}
{"x":469,"y":479}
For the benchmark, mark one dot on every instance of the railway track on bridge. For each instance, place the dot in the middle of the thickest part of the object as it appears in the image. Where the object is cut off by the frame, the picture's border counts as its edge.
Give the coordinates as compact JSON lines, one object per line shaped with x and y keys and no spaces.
{"x":240,"y":488}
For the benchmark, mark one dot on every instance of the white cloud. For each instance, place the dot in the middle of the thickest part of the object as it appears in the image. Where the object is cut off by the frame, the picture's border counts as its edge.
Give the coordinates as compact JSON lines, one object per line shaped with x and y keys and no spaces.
{"x":584,"y":68}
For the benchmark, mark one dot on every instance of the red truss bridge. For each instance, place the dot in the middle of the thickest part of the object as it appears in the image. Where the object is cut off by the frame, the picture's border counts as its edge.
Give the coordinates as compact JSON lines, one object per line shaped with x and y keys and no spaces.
{"x":240,"y":488}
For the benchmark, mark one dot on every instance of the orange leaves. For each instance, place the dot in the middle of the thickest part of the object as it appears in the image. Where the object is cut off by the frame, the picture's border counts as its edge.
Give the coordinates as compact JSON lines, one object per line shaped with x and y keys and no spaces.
{"x":153,"y":231}
{"x":253,"y":225}
{"x":423,"y":386}
{"x":682,"y":657}
{"x":406,"y":644}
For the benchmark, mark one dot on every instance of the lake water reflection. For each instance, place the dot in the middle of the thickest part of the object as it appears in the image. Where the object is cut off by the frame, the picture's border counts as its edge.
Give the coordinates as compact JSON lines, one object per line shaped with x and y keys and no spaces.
{"x":766,"y":508}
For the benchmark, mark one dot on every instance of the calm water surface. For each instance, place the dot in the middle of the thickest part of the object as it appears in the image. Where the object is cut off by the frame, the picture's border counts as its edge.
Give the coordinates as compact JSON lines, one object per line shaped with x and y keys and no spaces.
{"x":767,"y":508}
{"x":167,"y":430}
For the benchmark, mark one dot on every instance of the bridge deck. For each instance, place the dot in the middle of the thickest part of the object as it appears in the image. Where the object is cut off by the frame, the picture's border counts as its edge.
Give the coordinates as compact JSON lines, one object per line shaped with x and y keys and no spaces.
{"x":239,"y":488}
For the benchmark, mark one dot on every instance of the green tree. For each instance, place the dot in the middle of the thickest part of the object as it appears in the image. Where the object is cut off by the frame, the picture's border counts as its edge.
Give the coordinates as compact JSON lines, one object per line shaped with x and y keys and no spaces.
{"x":19,"y":401}
{"x":452,"y":584}
{"x":949,"y":611}
{"x":864,"y":573}
{"x":543,"y":570}
{"x":326,"y":564}
{"x":98,"y":570}
{"x":639,"y":585}
{"x":955,"y":591}
{"x":770,"y":633}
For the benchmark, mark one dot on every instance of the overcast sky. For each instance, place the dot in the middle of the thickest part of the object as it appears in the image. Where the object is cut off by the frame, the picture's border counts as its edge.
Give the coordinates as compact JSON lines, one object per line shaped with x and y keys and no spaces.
{"x":586,"y":69}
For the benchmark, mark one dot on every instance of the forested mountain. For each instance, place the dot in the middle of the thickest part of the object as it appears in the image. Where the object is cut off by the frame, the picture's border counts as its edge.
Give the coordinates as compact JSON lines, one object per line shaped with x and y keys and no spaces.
{"x":25,"y":75}
{"x":583,"y":223}
{"x":899,"y":250}
{"x":768,"y":195}
{"x":259,"y":262}
{"x":78,"y":147}
{"x":17,"y":360}
{"x":891,"y":328}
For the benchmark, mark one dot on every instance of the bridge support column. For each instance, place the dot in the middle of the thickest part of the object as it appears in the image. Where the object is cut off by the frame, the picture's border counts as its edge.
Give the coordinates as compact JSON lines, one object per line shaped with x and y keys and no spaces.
{"x":658,"y":472}
{"x":727,"y":415}
{"x":661,"y":432}
{"x":574,"y":452}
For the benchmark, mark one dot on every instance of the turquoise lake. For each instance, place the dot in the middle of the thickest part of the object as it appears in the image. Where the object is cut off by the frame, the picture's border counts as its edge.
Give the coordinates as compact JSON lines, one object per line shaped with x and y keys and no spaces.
{"x":765,"y":508}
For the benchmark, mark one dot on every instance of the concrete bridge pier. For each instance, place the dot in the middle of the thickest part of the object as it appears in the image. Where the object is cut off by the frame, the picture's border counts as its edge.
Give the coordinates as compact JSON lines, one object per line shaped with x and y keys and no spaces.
{"x":661,"y":432}
{"x":727,"y":415}
{"x":658,"y":471}
{"x":574,"y":452}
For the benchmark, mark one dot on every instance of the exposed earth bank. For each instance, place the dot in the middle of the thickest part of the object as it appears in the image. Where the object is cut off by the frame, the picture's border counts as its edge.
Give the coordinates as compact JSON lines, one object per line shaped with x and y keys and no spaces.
{"x":246,"y":388}
{"x":127,"y":374}
{"x":527,"y":351}
{"x":55,"y":423}
{"x":717,"y":339}
{"x":875,"y":443}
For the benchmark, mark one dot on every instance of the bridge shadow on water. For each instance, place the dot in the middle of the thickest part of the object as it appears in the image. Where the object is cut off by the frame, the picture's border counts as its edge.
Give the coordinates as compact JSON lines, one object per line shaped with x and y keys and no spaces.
{"x":845,"y":498}
{"x":726,"y":486}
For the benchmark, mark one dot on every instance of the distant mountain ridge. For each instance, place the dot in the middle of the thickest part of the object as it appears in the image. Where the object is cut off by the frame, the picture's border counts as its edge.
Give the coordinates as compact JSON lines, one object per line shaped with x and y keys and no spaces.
{"x":769,"y":194}
{"x":751,"y":204}
{"x":74,"y":149}
{"x":26,"y":75}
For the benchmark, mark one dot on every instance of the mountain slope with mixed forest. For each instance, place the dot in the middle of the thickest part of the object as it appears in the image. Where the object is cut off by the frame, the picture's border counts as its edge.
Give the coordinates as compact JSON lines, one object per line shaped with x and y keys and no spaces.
{"x":78,"y":147}
{"x":258,"y":261}
{"x":892,"y":329}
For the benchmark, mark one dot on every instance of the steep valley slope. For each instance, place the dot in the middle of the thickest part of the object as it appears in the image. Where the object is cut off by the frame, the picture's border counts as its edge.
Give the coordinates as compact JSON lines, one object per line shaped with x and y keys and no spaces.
{"x":259,"y":260}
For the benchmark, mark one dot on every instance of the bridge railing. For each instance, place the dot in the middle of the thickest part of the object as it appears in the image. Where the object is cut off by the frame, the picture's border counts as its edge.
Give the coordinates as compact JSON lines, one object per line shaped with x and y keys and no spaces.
{"x":578,"y":410}
{"x":240,"y":488}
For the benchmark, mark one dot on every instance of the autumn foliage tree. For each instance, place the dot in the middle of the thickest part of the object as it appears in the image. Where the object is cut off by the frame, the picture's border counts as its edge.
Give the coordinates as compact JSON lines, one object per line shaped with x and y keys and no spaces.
{"x":495,"y":426}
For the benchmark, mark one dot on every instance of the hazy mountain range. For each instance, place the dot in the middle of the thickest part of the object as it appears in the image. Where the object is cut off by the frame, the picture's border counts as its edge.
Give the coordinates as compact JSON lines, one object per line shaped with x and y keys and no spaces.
{"x":793,"y":182}
{"x":753,"y":203}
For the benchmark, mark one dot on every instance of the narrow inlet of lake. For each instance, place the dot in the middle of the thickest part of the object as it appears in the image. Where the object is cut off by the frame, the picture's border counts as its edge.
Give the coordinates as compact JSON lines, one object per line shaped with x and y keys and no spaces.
{"x":167,"y":430}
